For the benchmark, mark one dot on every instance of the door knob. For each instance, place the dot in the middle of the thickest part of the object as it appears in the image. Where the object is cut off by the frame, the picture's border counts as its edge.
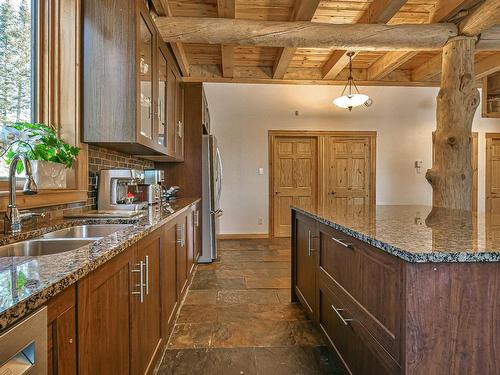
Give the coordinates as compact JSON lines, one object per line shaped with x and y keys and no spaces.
{"x":276,"y":192}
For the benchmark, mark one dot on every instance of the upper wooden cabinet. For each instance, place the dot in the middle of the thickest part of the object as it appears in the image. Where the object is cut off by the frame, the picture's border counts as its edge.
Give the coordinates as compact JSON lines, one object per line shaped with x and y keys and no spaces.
{"x":130,"y":82}
{"x":491,"y":95}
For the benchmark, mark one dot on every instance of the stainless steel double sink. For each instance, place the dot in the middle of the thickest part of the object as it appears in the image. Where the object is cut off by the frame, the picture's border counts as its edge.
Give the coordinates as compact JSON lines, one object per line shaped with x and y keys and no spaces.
{"x":61,"y":240}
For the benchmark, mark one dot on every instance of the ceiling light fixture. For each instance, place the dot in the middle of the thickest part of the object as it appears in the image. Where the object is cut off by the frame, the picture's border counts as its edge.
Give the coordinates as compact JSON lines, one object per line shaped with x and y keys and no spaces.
{"x":351,"y":100}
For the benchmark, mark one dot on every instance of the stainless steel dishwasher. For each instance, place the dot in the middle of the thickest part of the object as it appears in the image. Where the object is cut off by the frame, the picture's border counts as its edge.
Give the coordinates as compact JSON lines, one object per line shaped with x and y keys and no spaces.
{"x":23,"y":348}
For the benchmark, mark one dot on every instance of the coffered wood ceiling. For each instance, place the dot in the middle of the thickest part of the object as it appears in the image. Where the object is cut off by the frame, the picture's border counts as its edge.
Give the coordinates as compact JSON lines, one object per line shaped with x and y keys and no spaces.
{"x":282,"y":63}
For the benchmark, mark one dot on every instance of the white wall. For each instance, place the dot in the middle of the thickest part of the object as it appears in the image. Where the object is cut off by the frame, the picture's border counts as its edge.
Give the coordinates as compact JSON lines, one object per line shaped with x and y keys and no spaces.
{"x":403,"y":117}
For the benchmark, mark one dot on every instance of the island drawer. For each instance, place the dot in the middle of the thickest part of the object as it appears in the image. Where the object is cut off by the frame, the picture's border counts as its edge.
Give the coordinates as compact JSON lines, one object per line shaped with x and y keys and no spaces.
{"x":372,"y":279}
{"x":360,"y":352}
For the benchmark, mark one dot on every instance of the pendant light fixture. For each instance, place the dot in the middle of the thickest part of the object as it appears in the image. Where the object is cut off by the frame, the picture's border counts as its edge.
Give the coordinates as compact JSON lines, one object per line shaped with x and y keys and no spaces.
{"x":351,"y":100}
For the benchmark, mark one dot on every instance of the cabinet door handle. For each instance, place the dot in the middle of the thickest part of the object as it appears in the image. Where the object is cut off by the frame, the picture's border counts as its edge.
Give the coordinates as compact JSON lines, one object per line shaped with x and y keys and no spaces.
{"x":141,"y":282}
{"x":344,"y":320}
{"x":345,"y":244}
{"x":147,"y":274}
{"x":310,"y":237}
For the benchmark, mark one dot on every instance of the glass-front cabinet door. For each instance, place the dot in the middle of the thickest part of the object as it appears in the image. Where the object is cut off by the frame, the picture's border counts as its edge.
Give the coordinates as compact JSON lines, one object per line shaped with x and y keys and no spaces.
{"x":162,"y":99}
{"x":145,"y":51}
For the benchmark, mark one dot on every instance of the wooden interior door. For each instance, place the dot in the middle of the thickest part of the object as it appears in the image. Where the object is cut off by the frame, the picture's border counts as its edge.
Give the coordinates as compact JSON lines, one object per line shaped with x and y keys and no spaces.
{"x":347,"y":172}
{"x":295,"y":169}
{"x":493,"y":174}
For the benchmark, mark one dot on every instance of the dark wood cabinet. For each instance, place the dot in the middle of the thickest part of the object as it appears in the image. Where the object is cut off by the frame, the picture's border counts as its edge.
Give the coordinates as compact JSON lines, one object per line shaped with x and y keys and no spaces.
{"x":304,"y":263}
{"x":61,"y":334}
{"x":146,"y":332}
{"x":125,"y":309}
{"x":105,"y":298}
{"x":170,"y":298}
{"x":383,"y":315}
{"x":188,"y":174}
{"x":179,"y":120}
{"x":130,"y":82}
{"x":182,"y":255}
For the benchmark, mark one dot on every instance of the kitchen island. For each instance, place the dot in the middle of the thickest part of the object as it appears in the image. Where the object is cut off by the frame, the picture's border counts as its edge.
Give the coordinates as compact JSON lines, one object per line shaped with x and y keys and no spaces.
{"x":402,"y":289}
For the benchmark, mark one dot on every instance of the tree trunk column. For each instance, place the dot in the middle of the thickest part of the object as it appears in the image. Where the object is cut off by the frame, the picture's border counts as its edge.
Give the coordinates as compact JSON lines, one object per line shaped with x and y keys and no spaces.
{"x":458,"y":98}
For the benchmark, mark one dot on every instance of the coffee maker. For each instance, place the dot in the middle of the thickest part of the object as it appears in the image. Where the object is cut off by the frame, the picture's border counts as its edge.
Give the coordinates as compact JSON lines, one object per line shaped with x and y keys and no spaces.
{"x":118,"y":190}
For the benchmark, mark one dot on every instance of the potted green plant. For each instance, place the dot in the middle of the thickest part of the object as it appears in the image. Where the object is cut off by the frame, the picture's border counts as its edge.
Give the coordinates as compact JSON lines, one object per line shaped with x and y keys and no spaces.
{"x":49,"y":155}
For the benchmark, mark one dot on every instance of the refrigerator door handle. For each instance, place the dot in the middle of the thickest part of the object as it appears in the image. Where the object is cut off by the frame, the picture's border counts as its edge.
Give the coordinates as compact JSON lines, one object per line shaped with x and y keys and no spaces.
{"x":218,"y":212}
{"x":221,"y":175}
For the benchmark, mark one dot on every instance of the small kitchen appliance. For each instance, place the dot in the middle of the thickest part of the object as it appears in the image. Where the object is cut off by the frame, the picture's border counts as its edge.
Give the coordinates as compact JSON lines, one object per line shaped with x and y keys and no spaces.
{"x":118,"y":190}
{"x":150,"y":193}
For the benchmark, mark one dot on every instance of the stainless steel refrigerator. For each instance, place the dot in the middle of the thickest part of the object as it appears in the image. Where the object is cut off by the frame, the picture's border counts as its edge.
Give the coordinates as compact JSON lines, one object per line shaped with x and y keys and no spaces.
{"x":212,"y":190}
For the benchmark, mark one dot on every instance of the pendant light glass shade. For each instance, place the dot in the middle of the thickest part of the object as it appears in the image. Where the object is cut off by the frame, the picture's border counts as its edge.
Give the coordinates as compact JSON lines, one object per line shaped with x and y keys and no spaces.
{"x":350,"y":100}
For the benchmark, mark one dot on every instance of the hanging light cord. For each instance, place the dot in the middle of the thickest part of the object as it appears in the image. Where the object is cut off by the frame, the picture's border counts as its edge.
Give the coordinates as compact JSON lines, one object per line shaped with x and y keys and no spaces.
{"x":350,"y":79}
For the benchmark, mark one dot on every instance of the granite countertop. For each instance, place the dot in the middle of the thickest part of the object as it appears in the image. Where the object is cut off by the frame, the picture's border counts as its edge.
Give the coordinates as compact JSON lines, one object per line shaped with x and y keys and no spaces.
{"x":28,"y":282}
{"x":420,"y":234}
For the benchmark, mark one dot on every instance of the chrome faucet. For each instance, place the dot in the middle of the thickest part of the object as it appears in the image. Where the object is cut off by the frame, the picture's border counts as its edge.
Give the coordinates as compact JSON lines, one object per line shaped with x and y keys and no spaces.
{"x":13,"y":219}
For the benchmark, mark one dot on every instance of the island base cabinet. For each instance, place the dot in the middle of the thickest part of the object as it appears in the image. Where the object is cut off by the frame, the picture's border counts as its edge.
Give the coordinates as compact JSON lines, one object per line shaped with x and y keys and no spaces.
{"x":358,"y":350}
{"x":304,"y":263}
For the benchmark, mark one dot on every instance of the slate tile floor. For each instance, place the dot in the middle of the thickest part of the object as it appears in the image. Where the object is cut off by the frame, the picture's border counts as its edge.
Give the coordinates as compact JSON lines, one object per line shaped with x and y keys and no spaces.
{"x":237,"y":318}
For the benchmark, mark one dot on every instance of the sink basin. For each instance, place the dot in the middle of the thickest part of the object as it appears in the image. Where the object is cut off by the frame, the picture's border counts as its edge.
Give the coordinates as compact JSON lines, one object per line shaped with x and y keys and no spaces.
{"x":95,"y":231}
{"x":42,"y":247}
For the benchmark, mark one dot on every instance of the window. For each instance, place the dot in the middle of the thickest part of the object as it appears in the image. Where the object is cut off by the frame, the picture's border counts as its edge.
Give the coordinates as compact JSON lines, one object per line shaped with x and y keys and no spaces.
{"x":16,"y":64}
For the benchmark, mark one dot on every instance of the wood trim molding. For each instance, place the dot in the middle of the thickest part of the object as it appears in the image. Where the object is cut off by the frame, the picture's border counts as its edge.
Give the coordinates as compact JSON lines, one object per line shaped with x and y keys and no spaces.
{"x":44,"y":198}
{"x":320,"y":135}
{"x":309,"y":133}
{"x":242,"y":236}
{"x":489,"y":138}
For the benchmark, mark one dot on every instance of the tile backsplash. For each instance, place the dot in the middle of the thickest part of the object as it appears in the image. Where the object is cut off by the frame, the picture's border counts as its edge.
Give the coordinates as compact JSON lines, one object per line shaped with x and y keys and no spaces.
{"x":102,"y":158}
{"x":98,"y":158}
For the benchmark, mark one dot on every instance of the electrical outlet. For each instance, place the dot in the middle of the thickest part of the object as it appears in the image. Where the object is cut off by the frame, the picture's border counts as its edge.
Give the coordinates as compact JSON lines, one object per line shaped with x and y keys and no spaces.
{"x":260,"y":220}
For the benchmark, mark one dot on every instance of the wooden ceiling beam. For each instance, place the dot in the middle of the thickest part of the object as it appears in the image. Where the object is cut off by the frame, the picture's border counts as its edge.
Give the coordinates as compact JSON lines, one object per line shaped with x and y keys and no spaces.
{"x":388,"y":63}
{"x":428,"y":70}
{"x":489,"y":40}
{"x":379,"y":11}
{"x":483,"y":17}
{"x":445,"y":9}
{"x":336,"y":62}
{"x":303,"y":11}
{"x":181,"y":57}
{"x":227,"y":9}
{"x":393,"y":60}
{"x":487,"y":66}
{"x":302,"y":34}
{"x":163,"y":9}
{"x":254,"y":74}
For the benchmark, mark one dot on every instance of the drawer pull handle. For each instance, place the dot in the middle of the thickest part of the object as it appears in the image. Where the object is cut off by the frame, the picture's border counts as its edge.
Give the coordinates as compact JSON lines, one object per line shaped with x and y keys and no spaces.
{"x":344,"y":320}
{"x":141,"y":282}
{"x":310,"y":249}
{"x":345,"y":244}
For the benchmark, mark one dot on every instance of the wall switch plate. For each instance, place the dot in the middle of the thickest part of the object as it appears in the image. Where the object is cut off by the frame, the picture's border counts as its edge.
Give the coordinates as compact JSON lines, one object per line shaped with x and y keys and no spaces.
{"x":260,"y":171}
{"x":260,"y":221}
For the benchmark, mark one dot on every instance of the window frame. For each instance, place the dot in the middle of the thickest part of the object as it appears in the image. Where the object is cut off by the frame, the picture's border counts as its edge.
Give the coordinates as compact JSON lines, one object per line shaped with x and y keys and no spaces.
{"x":56,"y":98}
